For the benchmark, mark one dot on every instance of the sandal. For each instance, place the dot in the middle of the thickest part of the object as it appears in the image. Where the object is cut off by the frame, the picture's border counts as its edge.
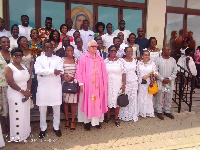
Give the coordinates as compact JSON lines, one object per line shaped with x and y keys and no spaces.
{"x":117,"y":122}
{"x":107,"y":120}
{"x":67,"y":124}
{"x":72,"y":129}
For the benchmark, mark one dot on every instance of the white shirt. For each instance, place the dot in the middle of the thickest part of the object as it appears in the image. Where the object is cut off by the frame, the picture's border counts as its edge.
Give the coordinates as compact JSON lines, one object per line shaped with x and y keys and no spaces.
{"x":13,"y":43}
{"x":71,"y":32}
{"x":25,"y":31}
{"x":49,"y":92}
{"x":125,"y":32}
{"x":78,"y":54}
{"x":107,"y":40}
{"x":5,"y":33}
{"x":86,"y":36}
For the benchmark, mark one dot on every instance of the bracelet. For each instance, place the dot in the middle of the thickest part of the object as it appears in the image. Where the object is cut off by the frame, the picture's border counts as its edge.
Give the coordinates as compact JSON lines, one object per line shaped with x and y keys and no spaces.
{"x":28,"y":90}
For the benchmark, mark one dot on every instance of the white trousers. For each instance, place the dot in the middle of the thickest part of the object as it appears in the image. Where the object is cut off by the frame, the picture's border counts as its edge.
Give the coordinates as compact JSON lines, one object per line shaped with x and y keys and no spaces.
{"x":56,"y":117}
{"x":167,"y":102}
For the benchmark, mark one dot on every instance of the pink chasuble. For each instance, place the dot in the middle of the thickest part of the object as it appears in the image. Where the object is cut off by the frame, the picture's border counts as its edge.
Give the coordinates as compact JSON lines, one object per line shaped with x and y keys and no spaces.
{"x":91,"y":71}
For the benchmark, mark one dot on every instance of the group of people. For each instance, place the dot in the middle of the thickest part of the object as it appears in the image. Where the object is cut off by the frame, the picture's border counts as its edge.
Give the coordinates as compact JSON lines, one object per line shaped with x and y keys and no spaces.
{"x":35,"y":63}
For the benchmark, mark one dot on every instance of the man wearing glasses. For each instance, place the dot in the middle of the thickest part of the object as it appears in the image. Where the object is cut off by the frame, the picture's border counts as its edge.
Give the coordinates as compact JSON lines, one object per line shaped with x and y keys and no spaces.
{"x":92,"y":77}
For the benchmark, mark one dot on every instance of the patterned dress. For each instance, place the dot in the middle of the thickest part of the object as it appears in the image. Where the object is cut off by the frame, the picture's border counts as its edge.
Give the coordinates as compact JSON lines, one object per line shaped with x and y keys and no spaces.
{"x":3,"y":88}
{"x":115,"y":69}
{"x":130,"y":112}
{"x":70,"y":70}
{"x":145,"y":100}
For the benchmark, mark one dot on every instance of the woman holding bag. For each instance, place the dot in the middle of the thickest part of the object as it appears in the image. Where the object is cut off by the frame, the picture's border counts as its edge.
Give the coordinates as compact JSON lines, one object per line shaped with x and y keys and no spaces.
{"x":70,"y":64}
{"x":116,"y":81}
{"x":144,"y":69}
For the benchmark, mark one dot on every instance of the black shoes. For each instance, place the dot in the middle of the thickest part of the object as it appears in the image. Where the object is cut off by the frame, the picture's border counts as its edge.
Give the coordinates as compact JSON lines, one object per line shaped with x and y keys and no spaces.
{"x":42,"y":134}
{"x":57,"y":132}
{"x":160,"y":116}
{"x":87,"y":126}
{"x":169,"y":115}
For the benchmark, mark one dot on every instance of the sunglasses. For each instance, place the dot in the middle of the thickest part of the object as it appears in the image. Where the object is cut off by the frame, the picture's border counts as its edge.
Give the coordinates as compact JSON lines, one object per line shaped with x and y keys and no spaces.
{"x":18,"y":55}
{"x":113,"y":51}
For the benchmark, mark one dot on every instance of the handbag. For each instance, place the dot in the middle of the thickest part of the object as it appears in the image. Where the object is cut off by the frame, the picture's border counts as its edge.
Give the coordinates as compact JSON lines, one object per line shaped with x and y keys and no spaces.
{"x":153,"y":87}
{"x":122,"y":100}
{"x":70,"y":87}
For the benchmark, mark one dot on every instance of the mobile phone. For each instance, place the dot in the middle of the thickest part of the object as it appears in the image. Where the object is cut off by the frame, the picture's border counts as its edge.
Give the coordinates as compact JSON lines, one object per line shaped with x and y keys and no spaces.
{"x":23,"y":99}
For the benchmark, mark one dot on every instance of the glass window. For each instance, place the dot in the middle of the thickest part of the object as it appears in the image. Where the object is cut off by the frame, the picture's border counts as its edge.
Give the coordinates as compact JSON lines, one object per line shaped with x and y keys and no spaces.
{"x":195,"y":4}
{"x":81,"y":12}
{"x":176,"y":3}
{"x":105,"y":18}
{"x":193,"y":23}
{"x":57,"y":15}
{"x":138,"y":1}
{"x":174,"y":23}
{"x":18,"y":8}
{"x":133,"y":19}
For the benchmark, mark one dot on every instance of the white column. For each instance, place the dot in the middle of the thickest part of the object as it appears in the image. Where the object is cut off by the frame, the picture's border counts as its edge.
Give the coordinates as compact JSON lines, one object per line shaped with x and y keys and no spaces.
{"x":1,"y":8}
{"x":156,"y":10}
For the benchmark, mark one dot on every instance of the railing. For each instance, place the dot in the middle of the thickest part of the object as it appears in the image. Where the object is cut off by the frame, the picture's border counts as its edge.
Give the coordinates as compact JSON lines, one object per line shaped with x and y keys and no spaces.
{"x":185,"y":84}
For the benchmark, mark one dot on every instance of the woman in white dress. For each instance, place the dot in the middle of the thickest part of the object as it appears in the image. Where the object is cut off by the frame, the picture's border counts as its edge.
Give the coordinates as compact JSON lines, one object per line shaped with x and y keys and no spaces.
{"x":18,"y":79}
{"x":69,"y":66}
{"x":116,"y":81}
{"x":130,"y":112}
{"x":154,"y":52}
{"x":13,"y":39}
{"x":135,"y":47}
{"x":144,"y":69}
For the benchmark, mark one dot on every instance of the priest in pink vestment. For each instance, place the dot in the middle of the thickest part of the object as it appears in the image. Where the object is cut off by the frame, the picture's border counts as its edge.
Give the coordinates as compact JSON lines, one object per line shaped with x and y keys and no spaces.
{"x":92,"y":77}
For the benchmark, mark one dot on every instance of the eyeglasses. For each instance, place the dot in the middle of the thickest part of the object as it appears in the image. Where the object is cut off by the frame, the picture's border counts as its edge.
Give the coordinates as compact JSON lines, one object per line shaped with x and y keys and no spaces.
{"x":93,"y":46}
{"x":113,"y":51}
{"x":18,"y":55}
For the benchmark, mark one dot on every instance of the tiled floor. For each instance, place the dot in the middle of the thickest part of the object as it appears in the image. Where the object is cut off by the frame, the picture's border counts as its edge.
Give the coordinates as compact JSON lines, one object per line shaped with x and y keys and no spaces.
{"x":182,"y":133}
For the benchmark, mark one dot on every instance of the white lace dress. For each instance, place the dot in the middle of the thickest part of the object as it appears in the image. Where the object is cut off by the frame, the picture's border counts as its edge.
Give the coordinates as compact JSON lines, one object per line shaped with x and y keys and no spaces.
{"x":145,"y":100}
{"x":130,"y":112}
{"x":115,"y":69}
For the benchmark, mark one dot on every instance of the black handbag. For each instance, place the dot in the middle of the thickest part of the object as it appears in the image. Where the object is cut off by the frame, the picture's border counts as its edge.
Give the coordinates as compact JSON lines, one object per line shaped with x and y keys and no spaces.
{"x":122,"y":100}
{"x":70,"y":87}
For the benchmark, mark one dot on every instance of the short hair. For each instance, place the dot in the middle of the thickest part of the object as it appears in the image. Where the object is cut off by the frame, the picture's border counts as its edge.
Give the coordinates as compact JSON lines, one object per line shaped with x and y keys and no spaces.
{"x":33,"y":30}
{"x":51,"y":36}
{"x":188,"y":50}
{"x":164,"y":47}
{"x":111,"y":47}
{"x":19,"y":39}
{"x":49,"y":41}
{"x":198,"y":47}
{"x":14,"y":25}
{"x":151,"y":38}
{"x":121,"y":21}
{"x":3,"y":37}
{"x":109,"y":24}
{"x":99,"y":40}
{"x":69,"y":46}
{"x":146,"y":51}
{"x":16,"y":50}
{"x":48,"y":18}
{"x":67,"y":19}
{"x":127,"y":48}
{"x":128,"y":39}
{"x":92,"y":41}
{"x":85,"y":20}
{"x":115,"y":38}
{"x":24,"y":16}
{"x":99,"y":24}
{"x":62,"y":27}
